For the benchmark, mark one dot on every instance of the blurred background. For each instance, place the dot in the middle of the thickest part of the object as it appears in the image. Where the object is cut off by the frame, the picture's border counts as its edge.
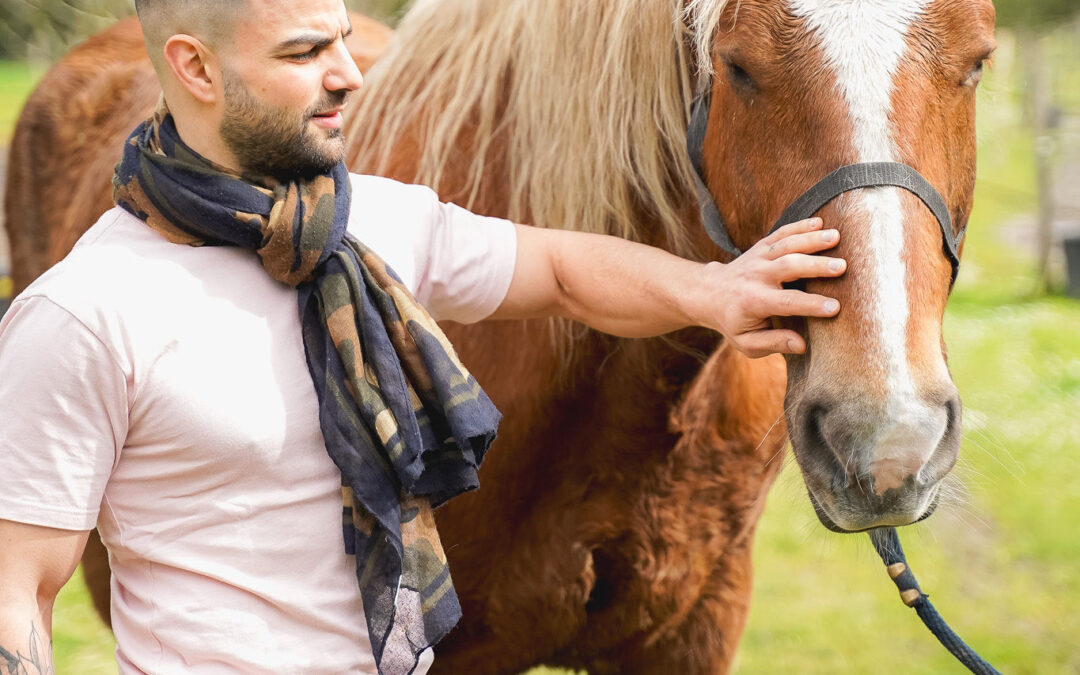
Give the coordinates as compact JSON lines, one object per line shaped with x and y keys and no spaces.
{"x":1002,"y":561}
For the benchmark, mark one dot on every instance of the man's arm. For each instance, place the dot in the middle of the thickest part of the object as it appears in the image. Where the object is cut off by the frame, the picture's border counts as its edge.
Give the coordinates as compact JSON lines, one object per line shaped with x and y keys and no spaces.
{"x":35,"y":562}
{"x":631,"y":290}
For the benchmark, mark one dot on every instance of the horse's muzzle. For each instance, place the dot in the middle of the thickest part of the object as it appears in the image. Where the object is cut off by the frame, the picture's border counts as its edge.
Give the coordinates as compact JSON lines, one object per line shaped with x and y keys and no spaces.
{"x":867,"y":468}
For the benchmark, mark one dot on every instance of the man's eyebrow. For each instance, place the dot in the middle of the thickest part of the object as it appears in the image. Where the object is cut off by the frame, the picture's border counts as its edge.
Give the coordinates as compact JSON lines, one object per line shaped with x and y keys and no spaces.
{"x":312,"y":40}
{"x":306,"y":40}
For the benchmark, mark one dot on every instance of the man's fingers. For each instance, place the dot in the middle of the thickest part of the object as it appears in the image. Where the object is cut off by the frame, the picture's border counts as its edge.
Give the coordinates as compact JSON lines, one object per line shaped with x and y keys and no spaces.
{"x":790,"y":302}
{"x":764,"y":342}
{"x":802,"y":242}
{"x":799,"y":227}
{"x":795,"y":266}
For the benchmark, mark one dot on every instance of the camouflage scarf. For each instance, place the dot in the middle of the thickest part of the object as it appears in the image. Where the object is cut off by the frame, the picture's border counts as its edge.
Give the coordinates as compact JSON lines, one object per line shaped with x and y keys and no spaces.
{"x":403,"y":420}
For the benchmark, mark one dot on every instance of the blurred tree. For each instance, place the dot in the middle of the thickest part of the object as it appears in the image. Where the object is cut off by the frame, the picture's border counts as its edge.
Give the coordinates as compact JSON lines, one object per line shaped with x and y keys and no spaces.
{"x":42,"y":30}
{"x":388,"y":11}
{"x":1032,"y":20}
{"x":1034,"y":13}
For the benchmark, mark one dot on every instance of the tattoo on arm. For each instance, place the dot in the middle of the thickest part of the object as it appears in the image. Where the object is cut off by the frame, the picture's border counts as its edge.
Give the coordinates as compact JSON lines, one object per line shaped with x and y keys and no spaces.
{"x":38,"y":662}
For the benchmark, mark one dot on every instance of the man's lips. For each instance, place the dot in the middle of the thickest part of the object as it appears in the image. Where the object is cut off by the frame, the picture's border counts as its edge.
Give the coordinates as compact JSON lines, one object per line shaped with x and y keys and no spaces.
{"x":331,"y":119}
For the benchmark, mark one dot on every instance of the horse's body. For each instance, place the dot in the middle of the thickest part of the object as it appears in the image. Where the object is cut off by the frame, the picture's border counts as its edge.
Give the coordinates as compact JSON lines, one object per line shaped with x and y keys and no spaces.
{"x":615,"y":524}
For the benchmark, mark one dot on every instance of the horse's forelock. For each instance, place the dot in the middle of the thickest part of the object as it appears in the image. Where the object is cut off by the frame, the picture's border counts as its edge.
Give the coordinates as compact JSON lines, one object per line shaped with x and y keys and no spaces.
{"x":702,"y":17}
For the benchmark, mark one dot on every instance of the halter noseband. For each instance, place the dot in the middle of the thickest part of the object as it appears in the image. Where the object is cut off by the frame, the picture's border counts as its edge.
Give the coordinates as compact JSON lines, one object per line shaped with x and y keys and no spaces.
{"x":844,"y":179}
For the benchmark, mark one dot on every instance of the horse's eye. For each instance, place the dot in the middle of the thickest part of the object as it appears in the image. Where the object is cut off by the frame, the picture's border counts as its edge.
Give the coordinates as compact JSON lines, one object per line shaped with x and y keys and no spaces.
{"x":739,"y":76}
{"x":975,"y":76}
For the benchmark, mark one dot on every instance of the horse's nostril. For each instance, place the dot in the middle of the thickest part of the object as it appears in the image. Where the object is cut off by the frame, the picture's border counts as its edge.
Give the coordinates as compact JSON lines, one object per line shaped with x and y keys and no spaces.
{"x":953,"y":411}
{"x":825,"y":451}
{"x":945,"y":454}
{"x":812,"y":426}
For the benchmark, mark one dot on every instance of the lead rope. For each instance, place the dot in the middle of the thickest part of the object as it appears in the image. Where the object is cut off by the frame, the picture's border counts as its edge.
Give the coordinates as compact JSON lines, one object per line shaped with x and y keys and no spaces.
{"x":887,"y":544}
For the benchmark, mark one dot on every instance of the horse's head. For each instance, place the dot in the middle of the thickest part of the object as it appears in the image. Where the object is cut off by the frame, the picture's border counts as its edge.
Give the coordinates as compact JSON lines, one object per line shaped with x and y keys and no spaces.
{"x":801,"y":88}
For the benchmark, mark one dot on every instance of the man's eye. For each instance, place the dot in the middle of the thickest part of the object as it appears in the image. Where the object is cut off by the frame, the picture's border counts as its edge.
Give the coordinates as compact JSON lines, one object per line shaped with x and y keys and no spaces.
{"x":305,"y":56}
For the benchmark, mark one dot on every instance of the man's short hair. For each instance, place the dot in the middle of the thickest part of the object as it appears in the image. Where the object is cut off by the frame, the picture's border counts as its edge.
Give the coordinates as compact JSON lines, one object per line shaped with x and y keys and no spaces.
{"x":211,"y":21}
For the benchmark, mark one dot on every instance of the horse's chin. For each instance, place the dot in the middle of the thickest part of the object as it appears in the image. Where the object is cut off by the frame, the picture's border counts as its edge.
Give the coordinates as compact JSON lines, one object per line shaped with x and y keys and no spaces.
{"x":830,"y":524}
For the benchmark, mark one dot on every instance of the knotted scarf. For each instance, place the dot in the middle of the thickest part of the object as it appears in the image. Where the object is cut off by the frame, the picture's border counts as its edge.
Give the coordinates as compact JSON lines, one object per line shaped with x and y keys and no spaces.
{"x":402,"y":418}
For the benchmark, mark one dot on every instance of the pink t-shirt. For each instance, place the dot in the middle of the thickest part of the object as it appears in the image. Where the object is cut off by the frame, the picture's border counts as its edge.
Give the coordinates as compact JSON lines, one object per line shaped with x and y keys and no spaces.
{"x":161,"y":393}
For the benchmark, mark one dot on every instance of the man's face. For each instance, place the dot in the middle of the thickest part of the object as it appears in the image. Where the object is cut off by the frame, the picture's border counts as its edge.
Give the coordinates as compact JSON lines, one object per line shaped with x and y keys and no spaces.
{"x":286,"y":76}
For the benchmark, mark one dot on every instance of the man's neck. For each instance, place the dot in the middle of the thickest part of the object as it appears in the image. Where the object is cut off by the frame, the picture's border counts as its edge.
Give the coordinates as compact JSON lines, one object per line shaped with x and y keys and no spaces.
{"x":200,"y":133}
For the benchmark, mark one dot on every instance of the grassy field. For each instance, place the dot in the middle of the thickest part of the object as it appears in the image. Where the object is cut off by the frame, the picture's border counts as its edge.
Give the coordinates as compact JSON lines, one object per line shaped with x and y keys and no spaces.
{"x":15,"y":83}
{"x":1001,"y":561}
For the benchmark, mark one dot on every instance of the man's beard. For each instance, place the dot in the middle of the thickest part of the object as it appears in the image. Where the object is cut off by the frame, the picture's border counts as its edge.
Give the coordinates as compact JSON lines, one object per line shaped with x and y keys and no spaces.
{"x":269,"y":141}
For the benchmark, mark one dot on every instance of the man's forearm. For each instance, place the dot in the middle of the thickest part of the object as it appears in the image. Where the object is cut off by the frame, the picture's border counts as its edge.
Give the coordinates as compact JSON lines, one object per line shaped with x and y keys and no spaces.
{"x":627,"y":289}
{"x":25,"y":645}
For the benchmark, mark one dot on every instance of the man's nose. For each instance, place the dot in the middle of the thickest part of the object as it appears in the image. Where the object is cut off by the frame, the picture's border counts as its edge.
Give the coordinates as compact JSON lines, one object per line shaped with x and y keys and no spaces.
{"x":343,"y":74}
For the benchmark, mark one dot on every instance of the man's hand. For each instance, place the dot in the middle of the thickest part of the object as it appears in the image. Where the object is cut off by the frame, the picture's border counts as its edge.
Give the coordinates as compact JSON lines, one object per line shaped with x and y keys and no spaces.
{"x":631,"y":290}
{"x":752,"y":292}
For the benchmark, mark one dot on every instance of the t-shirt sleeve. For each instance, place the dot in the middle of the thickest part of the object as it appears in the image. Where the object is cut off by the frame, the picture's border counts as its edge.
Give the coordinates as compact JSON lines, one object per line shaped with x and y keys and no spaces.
{"x":458,"y":264}
{"x":470,"y":262}
{"x":63,"y":416}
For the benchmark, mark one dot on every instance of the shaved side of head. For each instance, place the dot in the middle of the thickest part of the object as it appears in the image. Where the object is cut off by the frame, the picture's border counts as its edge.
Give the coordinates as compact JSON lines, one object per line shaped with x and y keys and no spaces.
{"x":211,"y":21}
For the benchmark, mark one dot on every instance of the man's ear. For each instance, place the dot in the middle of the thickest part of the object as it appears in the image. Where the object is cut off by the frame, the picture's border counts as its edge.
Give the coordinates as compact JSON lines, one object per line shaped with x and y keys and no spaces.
{"x":193,"y":66}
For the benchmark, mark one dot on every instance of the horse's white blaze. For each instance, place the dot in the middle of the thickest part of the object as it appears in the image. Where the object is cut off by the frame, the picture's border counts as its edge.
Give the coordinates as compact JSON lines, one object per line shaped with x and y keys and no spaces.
{"x":864,"y":43}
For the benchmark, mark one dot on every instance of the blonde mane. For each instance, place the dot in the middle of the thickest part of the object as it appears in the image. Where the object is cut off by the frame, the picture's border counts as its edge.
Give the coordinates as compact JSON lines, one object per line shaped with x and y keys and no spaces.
{"x":592,"y":107}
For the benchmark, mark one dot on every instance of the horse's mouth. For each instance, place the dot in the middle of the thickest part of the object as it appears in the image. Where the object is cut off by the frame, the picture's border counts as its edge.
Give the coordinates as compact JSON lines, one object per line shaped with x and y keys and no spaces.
{"x":830,"y":524}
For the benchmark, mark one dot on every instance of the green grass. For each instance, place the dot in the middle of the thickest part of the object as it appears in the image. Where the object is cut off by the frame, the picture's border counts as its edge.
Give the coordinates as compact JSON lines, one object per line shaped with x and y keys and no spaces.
{"x":16,"y":82}
{"x":1001,"y":562}
{"x":81,"y":644}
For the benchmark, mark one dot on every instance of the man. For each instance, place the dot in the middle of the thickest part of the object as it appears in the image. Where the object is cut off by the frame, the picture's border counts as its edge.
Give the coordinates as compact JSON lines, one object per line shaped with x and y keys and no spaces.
{"x":173,"y":396}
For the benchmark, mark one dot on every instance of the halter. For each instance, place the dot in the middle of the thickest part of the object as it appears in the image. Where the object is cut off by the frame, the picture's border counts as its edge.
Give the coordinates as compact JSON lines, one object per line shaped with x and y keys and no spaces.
{"x":844,"y":179}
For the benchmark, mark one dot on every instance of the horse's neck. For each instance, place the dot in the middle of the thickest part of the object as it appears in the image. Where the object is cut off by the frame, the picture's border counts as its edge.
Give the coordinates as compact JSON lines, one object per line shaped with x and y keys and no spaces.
{"x":572,"y":353}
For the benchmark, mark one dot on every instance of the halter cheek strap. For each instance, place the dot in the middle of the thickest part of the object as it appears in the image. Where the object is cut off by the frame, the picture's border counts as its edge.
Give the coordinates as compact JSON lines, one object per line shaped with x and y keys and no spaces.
{"x":844,"y":179}
{"x":695,"y":146}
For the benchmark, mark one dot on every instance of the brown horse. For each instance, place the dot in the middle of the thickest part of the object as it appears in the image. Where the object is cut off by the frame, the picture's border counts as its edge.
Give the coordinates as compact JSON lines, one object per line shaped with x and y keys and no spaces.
{"x":615,"y":525}
{"x":620,"y":508}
